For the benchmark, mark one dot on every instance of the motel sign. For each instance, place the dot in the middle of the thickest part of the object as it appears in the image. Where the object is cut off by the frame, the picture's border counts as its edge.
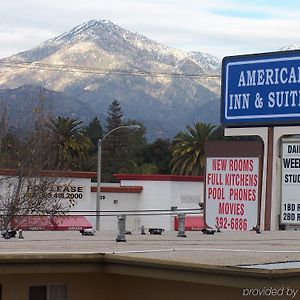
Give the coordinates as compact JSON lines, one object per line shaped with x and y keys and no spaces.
{"x":261,"y":89}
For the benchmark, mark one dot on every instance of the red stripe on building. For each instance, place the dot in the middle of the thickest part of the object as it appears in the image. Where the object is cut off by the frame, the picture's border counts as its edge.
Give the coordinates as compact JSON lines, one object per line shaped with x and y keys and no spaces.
{"x":118,"y":189}
{"x":61,"y":174}
{"x":159,"y":177}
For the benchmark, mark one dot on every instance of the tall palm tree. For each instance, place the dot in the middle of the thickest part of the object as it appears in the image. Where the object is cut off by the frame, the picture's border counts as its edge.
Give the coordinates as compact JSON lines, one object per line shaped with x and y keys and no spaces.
{"x":188,"y":150}
{"x":68,"y":143}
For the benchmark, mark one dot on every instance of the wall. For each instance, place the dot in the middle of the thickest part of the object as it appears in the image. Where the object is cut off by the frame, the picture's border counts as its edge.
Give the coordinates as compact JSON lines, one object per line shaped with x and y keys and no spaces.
{"x":70,"y":190}
{"x":156,"y":194}
{"x":86,"y":202}
{"x":160,"y":194}
{"x":80,"y":286}
{"x":114,"y":287}
{"x":135,"y":192}
{"x":118,"y":202}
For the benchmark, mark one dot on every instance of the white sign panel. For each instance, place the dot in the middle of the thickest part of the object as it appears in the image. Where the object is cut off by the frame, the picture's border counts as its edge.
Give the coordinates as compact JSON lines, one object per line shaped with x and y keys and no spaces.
{"x":231,"y":193}
{"x":290,"y":186}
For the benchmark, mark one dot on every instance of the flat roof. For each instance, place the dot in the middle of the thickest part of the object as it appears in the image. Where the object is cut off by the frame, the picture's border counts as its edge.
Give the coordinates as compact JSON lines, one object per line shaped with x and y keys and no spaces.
{"x":229,"y":251}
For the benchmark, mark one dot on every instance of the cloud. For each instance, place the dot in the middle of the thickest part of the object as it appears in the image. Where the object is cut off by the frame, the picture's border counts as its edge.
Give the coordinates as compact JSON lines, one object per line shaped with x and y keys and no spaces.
{"x":216,"y":26}
{"x":15,"y":39}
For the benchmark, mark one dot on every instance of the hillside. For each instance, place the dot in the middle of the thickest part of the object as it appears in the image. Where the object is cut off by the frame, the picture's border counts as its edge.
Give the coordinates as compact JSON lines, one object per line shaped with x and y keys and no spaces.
{"x":98,"y":62}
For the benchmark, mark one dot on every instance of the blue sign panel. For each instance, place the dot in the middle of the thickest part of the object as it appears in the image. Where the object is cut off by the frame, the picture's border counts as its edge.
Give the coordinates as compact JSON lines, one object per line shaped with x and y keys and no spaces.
{"x":261,"y":89}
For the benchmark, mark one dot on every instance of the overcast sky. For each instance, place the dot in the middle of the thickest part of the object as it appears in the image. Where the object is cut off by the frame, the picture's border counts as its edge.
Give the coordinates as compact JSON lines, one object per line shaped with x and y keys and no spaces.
{"x":218,"y":27}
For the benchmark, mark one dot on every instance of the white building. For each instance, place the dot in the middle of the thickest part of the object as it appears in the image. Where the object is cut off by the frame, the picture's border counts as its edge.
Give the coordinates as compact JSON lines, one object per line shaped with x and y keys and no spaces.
{"x":155,"y":195}
{"x":152,"y":201}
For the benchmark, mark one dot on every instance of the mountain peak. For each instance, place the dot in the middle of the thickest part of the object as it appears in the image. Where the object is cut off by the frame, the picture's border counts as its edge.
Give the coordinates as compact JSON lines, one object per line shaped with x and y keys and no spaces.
{"x":93,"y":24}
{"x":86,"y":29}
{"x":102,"y":62}
{"x":102,"y":40}
{"x":290,"y":47}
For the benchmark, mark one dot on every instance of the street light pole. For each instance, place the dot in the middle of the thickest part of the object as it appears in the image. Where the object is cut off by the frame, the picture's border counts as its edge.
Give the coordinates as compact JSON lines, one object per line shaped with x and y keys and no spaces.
{"x":98,"y":185}
{"x":100,"y":141}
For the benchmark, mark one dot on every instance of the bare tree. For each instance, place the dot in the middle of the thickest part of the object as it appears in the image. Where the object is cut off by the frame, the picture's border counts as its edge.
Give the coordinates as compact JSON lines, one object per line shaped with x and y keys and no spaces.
{"x":27,"y":189}
{"x":24,"y":196}
{"x":3,"y":119}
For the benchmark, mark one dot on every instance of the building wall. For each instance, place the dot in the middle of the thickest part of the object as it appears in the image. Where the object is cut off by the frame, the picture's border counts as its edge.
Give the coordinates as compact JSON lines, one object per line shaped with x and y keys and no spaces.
{"x":165,"y":195}
{"x":155,"y":195}
{"x":71,"y":191}
{"x":137,"y":288}
{"x":118,"y":202}
{"x":80,"y":286}
{"x":187,"y":194}
{"x":157,"y":192}
{"x":86,"y":202}
{"x":99,"y":286}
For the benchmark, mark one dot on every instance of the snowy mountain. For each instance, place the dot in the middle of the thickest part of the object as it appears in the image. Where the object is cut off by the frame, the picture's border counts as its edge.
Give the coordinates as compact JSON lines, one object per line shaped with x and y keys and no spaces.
{"x":98,"y":62}
{"x":290,"y":47}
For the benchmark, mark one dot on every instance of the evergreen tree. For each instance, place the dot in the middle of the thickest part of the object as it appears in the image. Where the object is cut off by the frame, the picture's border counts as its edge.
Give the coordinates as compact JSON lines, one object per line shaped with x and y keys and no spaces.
{"x":135,"y":145}
{"x":122,"y":150}
{"x":94,"y":132}
{"x":114,"y":150}
{"x":115,"y":116}
{"x":158,"y":154}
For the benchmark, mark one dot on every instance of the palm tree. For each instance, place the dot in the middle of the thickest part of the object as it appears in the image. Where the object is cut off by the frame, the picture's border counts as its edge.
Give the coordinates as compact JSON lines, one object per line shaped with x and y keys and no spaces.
{"x":68,"y":143}
{"x":188,"y":150}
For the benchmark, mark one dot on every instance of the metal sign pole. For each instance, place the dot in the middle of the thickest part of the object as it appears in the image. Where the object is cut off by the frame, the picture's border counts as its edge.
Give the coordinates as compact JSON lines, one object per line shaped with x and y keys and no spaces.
{"x":269,"y":181}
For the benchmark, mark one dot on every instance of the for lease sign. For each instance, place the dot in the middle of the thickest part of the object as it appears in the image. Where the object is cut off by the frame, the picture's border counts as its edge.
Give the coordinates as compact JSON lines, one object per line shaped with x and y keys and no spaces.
{"x":290,"y":203}
{"x":261,"y":89}
{"x":231,"y":192}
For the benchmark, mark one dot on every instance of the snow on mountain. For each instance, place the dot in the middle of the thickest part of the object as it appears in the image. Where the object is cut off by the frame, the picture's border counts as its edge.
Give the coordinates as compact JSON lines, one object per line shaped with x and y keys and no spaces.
{"x":98,"y":61}
{"x":291,"y":47}
{"x":113,"y":39}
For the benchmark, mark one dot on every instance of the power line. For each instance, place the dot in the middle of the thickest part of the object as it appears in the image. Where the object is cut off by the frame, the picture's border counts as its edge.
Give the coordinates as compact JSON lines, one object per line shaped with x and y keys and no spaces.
{"x":104,"y":213}
{"x":98,"y":71}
